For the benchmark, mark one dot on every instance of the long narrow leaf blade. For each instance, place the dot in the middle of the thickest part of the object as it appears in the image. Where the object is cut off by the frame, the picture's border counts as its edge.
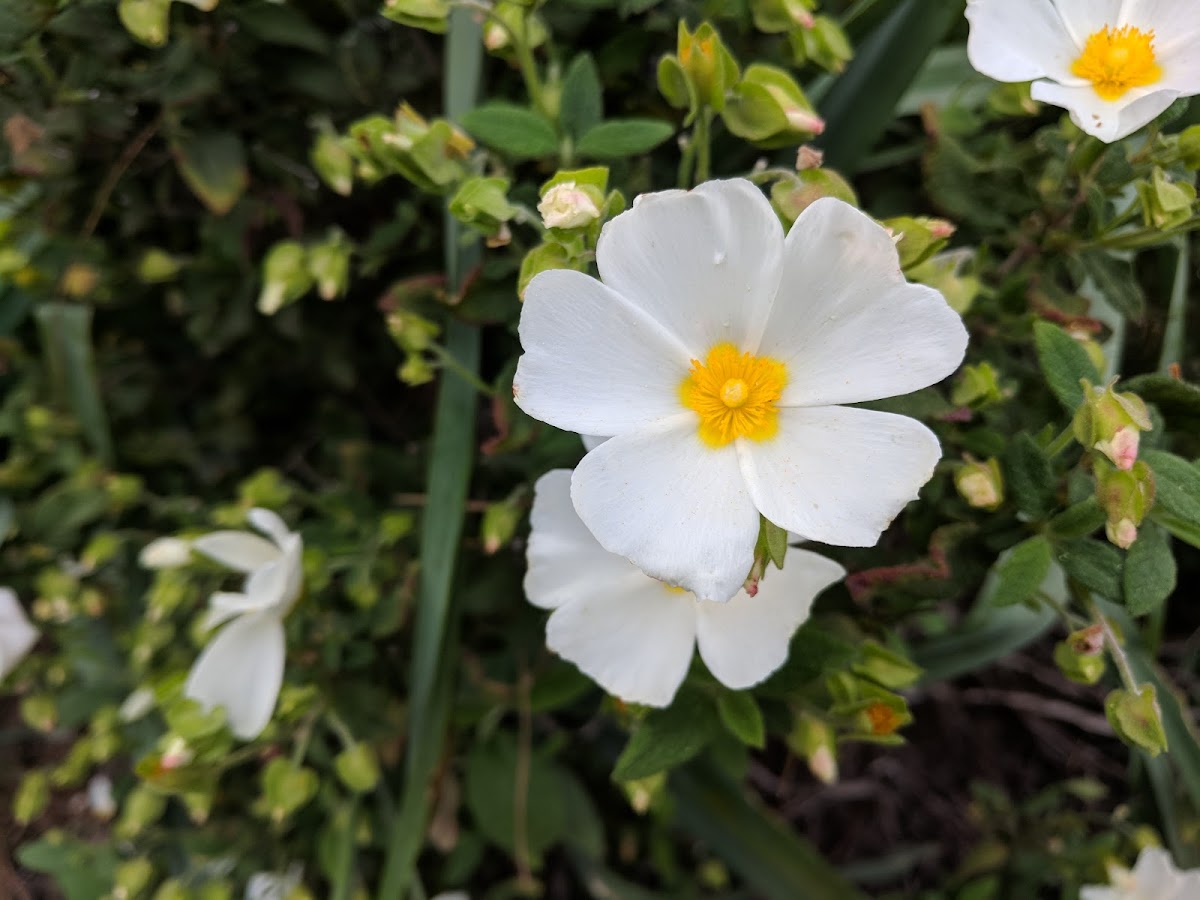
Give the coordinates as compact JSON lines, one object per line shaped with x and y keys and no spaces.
{"x":66,"y":333}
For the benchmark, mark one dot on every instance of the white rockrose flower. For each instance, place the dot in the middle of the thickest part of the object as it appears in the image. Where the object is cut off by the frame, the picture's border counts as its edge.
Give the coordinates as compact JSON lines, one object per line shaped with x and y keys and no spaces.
{"x":17,"y":634}
{"x":633,"y":635}
{"x":715,"y":355}
{"x":1113,"y":64}
{"x":566,"y":205}
{"x":241,"y":669}
{"x":1153,"y":878}
{"x":273,"y":885}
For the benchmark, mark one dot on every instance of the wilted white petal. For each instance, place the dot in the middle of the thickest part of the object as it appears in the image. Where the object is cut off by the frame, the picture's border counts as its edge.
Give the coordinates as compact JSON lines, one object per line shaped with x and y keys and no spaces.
{"x":165,"y":553}
{"x":241,"y":669}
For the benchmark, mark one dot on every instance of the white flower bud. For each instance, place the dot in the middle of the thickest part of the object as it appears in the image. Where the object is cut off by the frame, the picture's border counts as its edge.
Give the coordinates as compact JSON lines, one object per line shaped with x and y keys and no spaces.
{"x":565,"y":205}
{"x":165,"y":553}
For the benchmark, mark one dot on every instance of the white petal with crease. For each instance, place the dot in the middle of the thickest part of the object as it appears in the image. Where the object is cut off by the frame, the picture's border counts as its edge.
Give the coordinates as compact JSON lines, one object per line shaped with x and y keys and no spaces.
{"x":241,"y":669}
{"x":238,"y":550}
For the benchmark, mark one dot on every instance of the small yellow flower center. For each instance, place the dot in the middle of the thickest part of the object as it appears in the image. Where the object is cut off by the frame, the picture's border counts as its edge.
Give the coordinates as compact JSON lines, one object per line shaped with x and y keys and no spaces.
{"x":735,"y":395}
{"x":1116,"y":60}
{"x":883,"y":719}
{"x":673,"y":589}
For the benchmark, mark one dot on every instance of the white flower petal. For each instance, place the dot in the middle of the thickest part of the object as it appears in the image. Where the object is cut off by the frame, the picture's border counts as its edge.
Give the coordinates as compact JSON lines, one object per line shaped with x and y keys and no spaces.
{"x":238,"y":550}
{"x":591,"y":441}
{"x":267,"y":586}
{"x":1156,"y":876}
{"x":1083,"y":18}
{"x":745,"y":640}
{"x":635,"y":641}
{"x":679,"y":510}
{"x":1100,"y":892}
{"x":268,"y":522}
{"x":564,"y":558}
{"x":837,"y":474}
{"x":1019,"y":40}
{"x":846,"y":324}
{"x":1175,"y":23}
{"x":17,"y":634}
{"x":704,"y":263}
{"x":224,"y":605}
{"x":1107,"y":120}
{"x":593,"y":362}
{"x":241,"y":669}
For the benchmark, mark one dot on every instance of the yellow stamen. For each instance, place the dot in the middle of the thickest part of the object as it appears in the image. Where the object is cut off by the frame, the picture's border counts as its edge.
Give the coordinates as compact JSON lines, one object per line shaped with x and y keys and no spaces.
{"x":735,"y":395}
{"x":1117,"y":60}
{"x":883,"y":719}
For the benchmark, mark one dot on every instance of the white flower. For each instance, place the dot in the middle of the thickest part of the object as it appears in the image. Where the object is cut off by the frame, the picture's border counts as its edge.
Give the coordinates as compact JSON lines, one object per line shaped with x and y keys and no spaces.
{"x":565,"y":205}
{"x":1153,"y":878}
{"x":272,"y":885}
{"x":633,"y":635}
{"x":241,"y":669}
{"x":100,"y":797}
{"x":165,"y":553}
{"x":1113,"y":64}
{"x":17,"y":635}
{"x":715,"y":353}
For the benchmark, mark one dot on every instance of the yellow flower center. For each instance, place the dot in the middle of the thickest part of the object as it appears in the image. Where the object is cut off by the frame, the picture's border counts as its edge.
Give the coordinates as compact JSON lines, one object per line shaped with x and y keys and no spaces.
{"x":1116,"y":60}
{"x":735,"y":395}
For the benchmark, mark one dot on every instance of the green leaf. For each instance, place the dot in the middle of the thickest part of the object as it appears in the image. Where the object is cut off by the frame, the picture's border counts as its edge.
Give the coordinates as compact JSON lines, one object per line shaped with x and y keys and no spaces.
{"x":490,"y":793}
{"x":1177,"y":485}
{"x":1150,"y":570}
{"x":274,"y":23}
{"x":1179,"y":401}
{"x":582,"y":101}
{"x":81,"y":870}
{"x":618,"y":138}
{"x":741,"y":715}
{"x":1094,"y":564}
{"x":1079,"y":520}
{"x":1029,"y":477}
{"x":1187,"y":532}
{"x":861,"y":104}
{"x":765,"y":851}
{"x":66,"y":333}
{"x":667,"y":738}
{"x":1115,"y":279}
{"x":1020,"y":572}
{"x":435,"y":638}
{"x":214,"y":167}
{"x":1064,"y":362}
{"x":513,"y":130}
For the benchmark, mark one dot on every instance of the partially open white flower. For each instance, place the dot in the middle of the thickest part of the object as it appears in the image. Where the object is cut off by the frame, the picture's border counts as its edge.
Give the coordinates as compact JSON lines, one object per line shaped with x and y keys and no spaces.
{"x":1113,"y":64}
{"x":566,"y":205}
{"x":714,"y":353}
{"x":17,"y":635}
{"x":165,"y":553}
{"x":634,"y":635}
{"x":241,"y":669}
{"x":1153,"y":878}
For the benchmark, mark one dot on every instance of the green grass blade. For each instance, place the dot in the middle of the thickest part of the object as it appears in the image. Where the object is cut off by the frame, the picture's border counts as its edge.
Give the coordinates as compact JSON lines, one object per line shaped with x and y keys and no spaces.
{"x":1175,"y":329}
{"x":861,"y":104}
{"x":66,"y":333}
{"x":451,"y":458}
{"x":1001,"y":632}
{"x":773,"y":861}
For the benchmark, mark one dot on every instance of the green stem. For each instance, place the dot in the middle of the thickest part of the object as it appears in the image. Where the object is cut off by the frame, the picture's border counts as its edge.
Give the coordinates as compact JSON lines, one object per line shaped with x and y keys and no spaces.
{"x":1062,"y":442}
{"x":1174,"y":331}
{"x":1114,"y":645}
{"x":703,"y":138}
{"x":343,"y":865}
{"x":529,"y":70}
{"x":449,"y":361}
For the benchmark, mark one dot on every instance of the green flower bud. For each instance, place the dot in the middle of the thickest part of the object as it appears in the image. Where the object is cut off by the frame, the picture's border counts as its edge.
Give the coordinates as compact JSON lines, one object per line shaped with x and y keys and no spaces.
{"x":977,"y":387}
{"x":1126,"y":497}
{"x":1136,"y":718}
{"x":429,"y":15}
{"x":285,"y":277}
{"x":814,"y":740}
{"x":980,"y":483}
{"x":172,"y":889}
{"x":795,"y":193}
{"x":500,"y":521}
{"x":1189,"y":147}
{"x":708,"y":64}
{"x":286,"y":787}
{"x":133,"y":879}
{"x":542,"y":258}
{"x":415,"y":371}
{"x":141,"y":809}
{"x":776,"y":16}
{"x":333,"y":162}
{"x":769,"y":108}
{"x":32,"y":797}
{"x":1111,"y":423}
{"x":39,"y":712}
{"x":886,"y":667}
{"x":329,"y":264}
{"x":1165,"y":203}
{"x":411,"y":332}
{"x":483,"y":204}
{"x":358,"y":768}
{"x":825,"y":44}
{"x":1082,"y":668}
{"x":570,"y":205}
{"x":147,"y":20}
{"x":157,"y":266}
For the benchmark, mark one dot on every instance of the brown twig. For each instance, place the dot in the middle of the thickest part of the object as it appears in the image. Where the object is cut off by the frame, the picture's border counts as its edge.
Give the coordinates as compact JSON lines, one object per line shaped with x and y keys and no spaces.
{"x":124,"y":161}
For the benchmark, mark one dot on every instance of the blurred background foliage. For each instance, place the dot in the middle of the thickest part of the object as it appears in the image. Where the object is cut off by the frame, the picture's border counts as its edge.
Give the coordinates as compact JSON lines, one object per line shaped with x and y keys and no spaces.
{"x":227,"y":279}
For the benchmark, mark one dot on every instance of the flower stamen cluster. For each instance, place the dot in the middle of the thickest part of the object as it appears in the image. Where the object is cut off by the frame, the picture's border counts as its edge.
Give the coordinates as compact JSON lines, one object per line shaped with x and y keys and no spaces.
{"x":1117,"y":60}
{"x":735,"y":394}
